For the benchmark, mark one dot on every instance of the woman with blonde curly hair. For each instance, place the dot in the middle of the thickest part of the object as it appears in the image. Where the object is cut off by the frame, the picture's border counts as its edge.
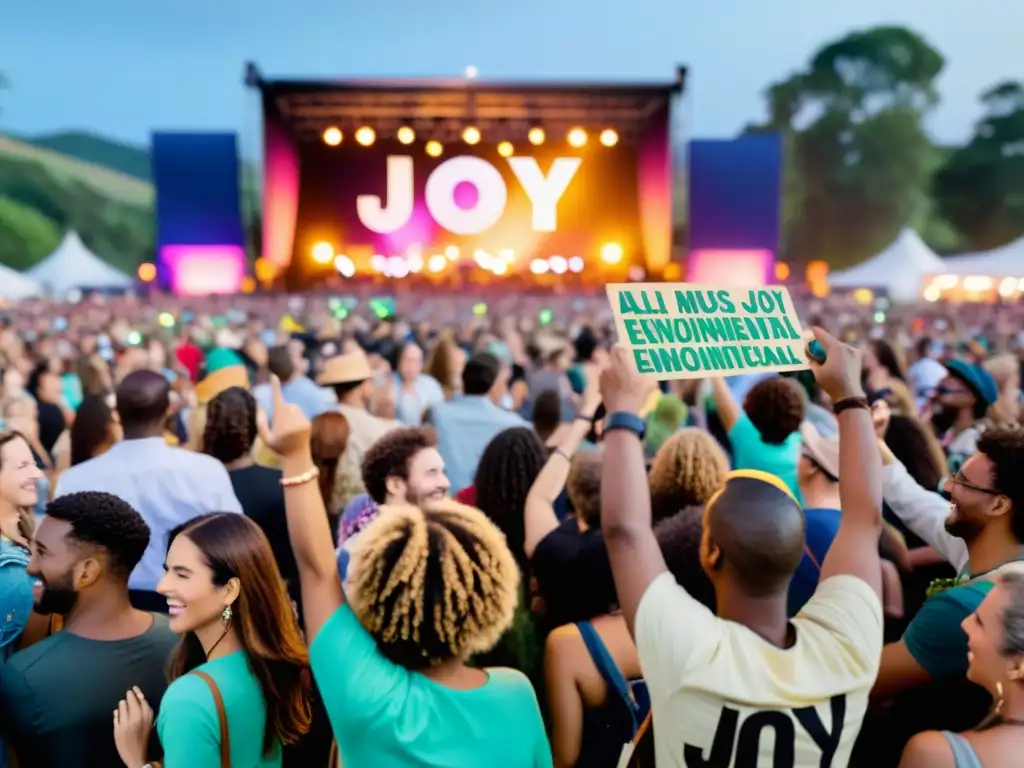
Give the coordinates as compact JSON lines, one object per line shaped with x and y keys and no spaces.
{"x":687,"y":470}
{"x":428,"y":589}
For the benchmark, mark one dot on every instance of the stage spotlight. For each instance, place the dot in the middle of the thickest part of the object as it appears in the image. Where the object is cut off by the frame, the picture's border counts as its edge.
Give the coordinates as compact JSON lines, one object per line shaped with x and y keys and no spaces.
{"x":366,"y":135}
{"x":505,"y":149}
{"x":437,"y":263}
{"x":147,"y":272}
{"x":471,"y":135}
{"x":332,"y":136}
{"x":611,"y":253}
{"x":499,"y":267}
{"x":406,"y":135}
{"x":536,"y":136}
{"x":323,"y":252}
{"x":452,"y":252}
{"x":344,"y":265}
{"x":539,"y":266}
{"x":609,"y":138}
{"x":434,"y":148}
{"x":559,"y":265}
{"x":577,"y":138}
{"x":575,"y":264}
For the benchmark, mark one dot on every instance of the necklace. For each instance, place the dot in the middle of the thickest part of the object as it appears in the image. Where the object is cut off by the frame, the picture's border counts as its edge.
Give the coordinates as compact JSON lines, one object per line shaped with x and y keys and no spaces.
{"x":965,"y":577}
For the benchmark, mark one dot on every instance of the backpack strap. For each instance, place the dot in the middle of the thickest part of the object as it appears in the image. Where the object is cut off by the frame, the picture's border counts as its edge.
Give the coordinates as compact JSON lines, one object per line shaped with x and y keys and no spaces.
{"x":222,"y":717}
{"x":610,"y":672}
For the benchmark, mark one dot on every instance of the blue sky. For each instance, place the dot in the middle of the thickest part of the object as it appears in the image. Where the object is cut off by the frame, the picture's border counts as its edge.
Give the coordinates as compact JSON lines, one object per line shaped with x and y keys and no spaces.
{"x":124,"y":67}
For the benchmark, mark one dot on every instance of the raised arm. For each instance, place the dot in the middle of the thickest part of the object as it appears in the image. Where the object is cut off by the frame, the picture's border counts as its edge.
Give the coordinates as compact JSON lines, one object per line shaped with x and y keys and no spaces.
{"x":539,"y":517}
{"x":633,"y":550}
{"x":855,"y":548}
{"x":726,"y":407}
{"x":308,"y":529}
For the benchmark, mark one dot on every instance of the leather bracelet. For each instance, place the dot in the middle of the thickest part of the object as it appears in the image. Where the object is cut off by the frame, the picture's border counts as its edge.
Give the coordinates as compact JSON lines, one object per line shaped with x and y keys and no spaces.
{"x":306,"y":477}
{"x":850,"y":402}
{"x":589,"y":419}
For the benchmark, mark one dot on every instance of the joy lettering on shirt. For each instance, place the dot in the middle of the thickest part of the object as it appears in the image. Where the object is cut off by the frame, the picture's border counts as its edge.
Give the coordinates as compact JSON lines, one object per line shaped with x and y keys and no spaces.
{"x":731,"y":751}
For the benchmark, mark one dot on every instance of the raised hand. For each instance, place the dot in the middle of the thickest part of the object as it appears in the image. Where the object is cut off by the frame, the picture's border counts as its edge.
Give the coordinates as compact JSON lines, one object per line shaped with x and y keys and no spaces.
{"x":591,"y":398}
{"x":289,"y":434}
{"x":133,"y":721}
{"x":622,"y":388}
{"x":839,"y":375}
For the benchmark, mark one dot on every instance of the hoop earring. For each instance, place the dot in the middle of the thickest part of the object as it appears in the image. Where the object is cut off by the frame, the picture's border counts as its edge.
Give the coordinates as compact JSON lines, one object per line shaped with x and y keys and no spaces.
{"x":226,"y":615}
{"x":999,"y":699}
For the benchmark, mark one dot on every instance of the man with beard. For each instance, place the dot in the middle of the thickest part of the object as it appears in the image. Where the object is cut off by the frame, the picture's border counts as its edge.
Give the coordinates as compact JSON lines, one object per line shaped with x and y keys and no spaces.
{"x":56,"y":697}
{"x":979,"y":531}
{"x":959,"y":404}
{"x":402,"y":467}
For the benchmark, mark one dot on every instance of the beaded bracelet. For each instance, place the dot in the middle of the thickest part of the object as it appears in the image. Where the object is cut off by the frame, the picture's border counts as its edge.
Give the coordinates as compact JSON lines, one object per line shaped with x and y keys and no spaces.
{"x":306,"y":477}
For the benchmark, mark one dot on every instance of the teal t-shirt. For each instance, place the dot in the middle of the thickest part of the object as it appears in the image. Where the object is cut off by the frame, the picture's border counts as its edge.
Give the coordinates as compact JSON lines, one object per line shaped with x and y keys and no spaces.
{"x":188,"y":726}
{"x":935,"y":638}
{"x":385,"y":716}
{"x":750,"y":451}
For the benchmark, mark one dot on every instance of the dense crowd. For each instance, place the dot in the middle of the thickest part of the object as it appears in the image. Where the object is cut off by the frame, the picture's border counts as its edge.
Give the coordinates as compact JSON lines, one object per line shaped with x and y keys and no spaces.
{"x":454,"y":531}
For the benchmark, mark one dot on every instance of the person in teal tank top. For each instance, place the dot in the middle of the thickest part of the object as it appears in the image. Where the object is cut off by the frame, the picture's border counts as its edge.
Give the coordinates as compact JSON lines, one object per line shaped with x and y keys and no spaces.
{"x":429,"y":588}
{"x":228,"y":601}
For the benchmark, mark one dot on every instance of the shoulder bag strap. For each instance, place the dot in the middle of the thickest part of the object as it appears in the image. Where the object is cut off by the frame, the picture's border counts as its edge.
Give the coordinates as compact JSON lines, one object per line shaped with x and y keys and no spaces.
{"x":222,"y":717}
{"x":609,"y":670}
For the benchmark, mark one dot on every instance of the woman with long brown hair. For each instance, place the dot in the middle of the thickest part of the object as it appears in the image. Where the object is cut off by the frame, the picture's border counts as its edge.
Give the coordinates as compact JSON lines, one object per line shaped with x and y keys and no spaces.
{"x":19,"y":493}
{"x":240,"y":676}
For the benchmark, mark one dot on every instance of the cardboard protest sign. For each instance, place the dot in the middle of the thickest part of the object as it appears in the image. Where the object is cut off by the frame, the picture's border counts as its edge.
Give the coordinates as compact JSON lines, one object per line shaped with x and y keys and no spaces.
{"x":685,"y":331}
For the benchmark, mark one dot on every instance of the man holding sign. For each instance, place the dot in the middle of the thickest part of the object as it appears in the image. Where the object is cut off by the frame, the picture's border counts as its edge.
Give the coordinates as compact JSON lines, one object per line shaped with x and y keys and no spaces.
{"x":684,"y":331}
{"x":748,"y":686}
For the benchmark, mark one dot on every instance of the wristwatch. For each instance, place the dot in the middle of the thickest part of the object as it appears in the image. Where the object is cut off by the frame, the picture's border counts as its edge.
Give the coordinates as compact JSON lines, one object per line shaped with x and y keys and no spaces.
{"x":624,"y":420}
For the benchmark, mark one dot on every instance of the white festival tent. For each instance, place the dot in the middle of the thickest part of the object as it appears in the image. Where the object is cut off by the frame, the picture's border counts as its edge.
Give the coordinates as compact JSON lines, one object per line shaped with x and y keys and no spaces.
{"x":72,"y":266}
{"x":15,"y":286}
{"x":1005,"y":261}
{"x":899,"y":269}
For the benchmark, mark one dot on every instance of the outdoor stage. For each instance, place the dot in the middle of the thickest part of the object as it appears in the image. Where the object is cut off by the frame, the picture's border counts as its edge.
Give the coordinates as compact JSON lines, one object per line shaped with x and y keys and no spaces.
{"x":466,"y":181}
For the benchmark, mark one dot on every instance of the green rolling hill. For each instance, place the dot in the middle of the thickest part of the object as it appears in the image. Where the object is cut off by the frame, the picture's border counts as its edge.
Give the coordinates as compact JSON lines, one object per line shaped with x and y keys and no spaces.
{"x":77,"y":180}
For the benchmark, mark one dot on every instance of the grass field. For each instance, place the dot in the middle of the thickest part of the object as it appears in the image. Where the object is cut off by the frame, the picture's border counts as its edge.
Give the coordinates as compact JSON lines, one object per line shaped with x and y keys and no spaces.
{"x":114,"y":185}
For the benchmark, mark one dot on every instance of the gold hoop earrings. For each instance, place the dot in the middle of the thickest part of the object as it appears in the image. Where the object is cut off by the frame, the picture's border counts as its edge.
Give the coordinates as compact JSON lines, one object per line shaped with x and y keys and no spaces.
{"x":999,"y":698}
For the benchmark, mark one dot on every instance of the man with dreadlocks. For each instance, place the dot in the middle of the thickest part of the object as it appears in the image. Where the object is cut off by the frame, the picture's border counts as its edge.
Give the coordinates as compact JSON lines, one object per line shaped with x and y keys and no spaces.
{"x":429,"y":589}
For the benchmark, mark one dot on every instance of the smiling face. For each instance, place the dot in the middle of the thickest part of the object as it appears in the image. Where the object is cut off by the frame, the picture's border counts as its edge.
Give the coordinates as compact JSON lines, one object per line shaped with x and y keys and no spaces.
{"x":18,"y":474}
{"x":194,"y":602}
{"x":988,"y":665}
{"x":55,"y":567}
{"x":427,"y":481}
{"x":974,"y":502}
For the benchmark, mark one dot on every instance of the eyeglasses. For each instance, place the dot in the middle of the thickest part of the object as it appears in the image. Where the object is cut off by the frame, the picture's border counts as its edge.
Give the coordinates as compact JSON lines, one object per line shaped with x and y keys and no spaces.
{"x":963,"y":482}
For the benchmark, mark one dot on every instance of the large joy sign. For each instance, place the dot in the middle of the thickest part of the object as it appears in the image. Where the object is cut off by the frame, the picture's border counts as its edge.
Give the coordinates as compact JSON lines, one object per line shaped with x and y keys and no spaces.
{"x":544,"y":192}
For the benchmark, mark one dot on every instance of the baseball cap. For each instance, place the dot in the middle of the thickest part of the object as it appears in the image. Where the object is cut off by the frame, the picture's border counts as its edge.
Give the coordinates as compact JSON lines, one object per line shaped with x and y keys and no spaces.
{"x":823,"y":451}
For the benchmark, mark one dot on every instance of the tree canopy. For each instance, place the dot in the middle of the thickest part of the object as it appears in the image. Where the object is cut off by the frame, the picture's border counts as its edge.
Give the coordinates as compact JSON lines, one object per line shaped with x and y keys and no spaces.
{"x":980,"y":188}
{"x":858,"y":159}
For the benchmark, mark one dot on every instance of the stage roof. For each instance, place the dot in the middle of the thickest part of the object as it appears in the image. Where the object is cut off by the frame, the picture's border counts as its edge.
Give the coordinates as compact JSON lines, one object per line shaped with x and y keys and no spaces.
{"x":443,"y":107}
